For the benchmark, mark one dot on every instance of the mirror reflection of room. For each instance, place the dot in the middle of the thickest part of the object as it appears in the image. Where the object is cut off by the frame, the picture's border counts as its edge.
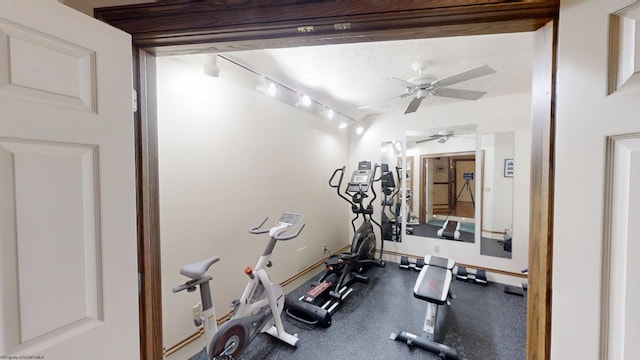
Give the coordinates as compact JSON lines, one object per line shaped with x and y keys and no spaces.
{"x":443,"y":184}
{"x":391,"y":204}
{"x":497,"y":202}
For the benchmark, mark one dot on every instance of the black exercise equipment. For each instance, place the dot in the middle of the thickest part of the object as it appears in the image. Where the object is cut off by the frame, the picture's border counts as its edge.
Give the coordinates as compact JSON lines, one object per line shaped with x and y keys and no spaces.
{"x":519,"y":291}
{"x":479,"y":277}
{"x":432,"y":286}
{"x":418,"y":264}
{"x":334,"y":284}
{"x":450,"y":230}
{"x":390,"y":224}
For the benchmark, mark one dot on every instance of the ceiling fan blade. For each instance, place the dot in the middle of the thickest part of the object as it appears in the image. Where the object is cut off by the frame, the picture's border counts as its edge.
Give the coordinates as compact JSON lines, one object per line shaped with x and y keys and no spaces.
{"x":433,"y":137}
{"x":404,"y":82}
{"x":459,"y":93}
{"x":381,"y":102}
{"x":414,"y":104}
{"x":465,"y":75}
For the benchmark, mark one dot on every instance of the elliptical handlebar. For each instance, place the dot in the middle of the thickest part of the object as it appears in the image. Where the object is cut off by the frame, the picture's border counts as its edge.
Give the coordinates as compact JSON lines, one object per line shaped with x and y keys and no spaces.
{"x":373,"y":190}
{"x":334,"y":175}
{"x":337,"y":186}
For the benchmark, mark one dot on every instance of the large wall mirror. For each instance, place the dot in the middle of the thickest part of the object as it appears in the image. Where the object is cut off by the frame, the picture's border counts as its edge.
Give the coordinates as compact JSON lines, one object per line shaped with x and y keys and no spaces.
{"x":390,"y":189}
{"x":441,"y":181}
{"x":497,"y":194}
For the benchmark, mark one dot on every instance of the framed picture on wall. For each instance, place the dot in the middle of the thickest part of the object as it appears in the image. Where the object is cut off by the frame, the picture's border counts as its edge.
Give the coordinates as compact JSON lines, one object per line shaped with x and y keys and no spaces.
{"x":508,"y":167}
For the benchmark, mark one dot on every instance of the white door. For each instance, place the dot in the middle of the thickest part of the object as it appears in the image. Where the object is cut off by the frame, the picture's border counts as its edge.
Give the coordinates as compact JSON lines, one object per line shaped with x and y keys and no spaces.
{"x":68,"y":276}
{"x":596,"y":246}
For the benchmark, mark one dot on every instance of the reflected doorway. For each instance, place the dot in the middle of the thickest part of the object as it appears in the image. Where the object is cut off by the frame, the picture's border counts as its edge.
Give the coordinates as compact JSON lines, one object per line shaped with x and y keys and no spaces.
{"x":448,"y":186}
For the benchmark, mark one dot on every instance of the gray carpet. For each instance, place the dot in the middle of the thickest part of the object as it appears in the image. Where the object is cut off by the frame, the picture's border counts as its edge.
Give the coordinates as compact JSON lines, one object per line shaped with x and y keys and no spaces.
{"x":493,"y":247}
{"x":482,"y":323}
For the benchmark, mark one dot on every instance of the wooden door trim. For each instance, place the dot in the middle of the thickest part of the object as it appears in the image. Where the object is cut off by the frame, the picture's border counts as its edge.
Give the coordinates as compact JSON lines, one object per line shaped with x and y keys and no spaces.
{"x":146,"y":147}
{"x":179,"y":27}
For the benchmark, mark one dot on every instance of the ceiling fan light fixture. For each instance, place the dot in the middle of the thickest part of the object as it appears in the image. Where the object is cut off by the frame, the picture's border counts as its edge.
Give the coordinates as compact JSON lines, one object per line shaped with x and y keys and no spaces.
{"x":422,"y":93}
{"x":443,"y":139}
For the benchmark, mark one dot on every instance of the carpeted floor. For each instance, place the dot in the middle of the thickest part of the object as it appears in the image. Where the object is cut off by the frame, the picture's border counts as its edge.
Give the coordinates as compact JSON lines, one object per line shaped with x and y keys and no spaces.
{"x":482,"y":323}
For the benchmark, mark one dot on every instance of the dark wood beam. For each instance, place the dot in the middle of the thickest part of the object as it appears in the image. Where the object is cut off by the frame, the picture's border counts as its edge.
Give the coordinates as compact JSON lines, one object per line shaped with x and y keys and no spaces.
{"x":197,"y":27}
{"x":146,"y":145}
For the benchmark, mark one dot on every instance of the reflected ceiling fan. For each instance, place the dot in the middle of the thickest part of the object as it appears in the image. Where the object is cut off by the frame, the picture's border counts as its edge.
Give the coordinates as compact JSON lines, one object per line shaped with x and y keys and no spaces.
{"x":421,"y":86}
{"x":442,"y":136}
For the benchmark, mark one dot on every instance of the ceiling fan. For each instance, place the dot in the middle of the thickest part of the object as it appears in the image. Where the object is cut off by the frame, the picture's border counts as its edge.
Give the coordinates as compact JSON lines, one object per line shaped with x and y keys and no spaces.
{"x":442,"y":136}
{"x":422,"y":86}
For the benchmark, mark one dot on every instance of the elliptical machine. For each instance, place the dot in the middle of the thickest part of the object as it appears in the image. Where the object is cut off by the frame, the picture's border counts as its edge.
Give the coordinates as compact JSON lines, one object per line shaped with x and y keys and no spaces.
{"x":390,"y":224}
{"x":334,"y":284}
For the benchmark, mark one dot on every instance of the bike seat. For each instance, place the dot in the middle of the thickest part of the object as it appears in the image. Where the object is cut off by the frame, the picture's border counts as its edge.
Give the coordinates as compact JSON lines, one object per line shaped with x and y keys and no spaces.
{"x":197,"y":270}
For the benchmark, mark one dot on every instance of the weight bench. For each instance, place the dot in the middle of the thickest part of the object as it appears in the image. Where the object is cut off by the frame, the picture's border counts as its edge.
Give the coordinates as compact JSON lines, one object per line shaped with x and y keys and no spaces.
{"x":432,"y":286}
{"x":450,"y":230}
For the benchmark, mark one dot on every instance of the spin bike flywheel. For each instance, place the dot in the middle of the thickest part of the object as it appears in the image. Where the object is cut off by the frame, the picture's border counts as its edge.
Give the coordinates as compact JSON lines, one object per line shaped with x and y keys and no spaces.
{"x":228,"y":343}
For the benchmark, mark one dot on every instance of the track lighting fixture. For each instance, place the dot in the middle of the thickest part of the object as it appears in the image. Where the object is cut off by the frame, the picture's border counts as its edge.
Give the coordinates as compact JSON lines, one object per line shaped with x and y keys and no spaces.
{"x":267,"y":87}
{"x":303,"y":100}
{"x":284,"y":92}
{"x":211,"y":66}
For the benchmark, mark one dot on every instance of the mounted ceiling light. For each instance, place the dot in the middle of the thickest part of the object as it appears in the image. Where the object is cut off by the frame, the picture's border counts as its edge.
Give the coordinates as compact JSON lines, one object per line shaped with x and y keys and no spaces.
{"x":285,"y":93}
{"x":271,"y":89}
{"x":303,"y":100}
{"x":359,"y":130}
{"x":211,"y":66}
{"x":330,"y":114}
{"x":267,"y":87}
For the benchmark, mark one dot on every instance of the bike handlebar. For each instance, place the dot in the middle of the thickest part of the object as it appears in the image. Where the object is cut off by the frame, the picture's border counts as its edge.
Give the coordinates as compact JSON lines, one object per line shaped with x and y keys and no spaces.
{"x":278,"y":235}
{"x":256,"y":230}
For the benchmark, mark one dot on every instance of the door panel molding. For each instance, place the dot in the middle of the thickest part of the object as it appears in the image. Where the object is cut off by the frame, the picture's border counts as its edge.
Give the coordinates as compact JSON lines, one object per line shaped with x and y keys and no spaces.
{"x":619,"y":323}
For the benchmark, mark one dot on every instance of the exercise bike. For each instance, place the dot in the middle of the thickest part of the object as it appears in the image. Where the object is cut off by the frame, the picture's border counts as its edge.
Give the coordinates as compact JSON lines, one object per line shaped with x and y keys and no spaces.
{"x":334,"y":284}
{"x":259,"y":308}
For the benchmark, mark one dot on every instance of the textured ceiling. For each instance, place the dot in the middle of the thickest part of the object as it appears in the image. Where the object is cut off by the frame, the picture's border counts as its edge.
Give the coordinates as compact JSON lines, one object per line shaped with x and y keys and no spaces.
{"x":350,"y":76}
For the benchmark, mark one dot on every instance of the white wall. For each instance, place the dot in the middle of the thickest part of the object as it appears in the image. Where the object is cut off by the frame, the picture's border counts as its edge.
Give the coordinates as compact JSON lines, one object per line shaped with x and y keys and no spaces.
{"x":491,"y":115}
{"x":228,"y":157}
{"x":497,"y":204}
{"x":585,"y":116}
